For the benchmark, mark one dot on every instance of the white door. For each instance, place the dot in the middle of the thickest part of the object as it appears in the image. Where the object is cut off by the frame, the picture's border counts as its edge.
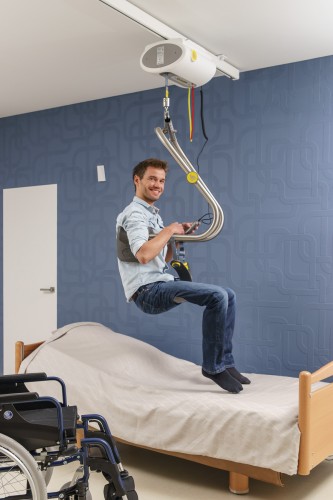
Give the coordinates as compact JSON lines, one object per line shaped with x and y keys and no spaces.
{"x":30,"y":264}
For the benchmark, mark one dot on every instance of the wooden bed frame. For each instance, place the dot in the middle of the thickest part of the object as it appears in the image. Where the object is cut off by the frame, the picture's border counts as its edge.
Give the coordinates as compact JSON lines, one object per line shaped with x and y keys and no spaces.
{"x":315,"y":422}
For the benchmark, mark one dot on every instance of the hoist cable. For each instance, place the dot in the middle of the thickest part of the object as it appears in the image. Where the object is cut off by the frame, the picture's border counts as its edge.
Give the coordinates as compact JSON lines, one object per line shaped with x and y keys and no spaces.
{"x":203,"y":128}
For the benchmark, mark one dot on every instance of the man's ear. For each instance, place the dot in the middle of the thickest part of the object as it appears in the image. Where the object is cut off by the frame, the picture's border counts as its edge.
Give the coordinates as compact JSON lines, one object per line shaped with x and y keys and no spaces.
{"x":136,"y":180}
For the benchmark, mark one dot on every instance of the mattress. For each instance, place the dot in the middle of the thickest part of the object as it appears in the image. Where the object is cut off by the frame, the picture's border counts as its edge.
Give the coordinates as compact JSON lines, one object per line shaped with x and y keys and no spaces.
{"x":153,"y":399}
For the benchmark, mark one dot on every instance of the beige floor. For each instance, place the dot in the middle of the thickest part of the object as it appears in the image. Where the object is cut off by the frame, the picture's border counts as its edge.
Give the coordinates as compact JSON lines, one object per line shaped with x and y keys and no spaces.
{"x":159,"y":477}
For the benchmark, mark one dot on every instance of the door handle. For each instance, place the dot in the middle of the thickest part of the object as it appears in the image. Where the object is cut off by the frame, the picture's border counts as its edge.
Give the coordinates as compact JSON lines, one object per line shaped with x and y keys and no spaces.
{"x":51,"y":289}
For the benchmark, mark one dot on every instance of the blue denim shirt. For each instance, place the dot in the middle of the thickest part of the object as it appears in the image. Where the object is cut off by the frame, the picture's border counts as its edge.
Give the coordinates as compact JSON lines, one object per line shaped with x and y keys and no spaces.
{"x":136,"y":218}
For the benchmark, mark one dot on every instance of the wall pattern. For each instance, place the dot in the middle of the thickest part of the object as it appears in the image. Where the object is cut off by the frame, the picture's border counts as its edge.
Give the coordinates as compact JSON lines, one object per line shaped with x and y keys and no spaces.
{"x":269,"y":162}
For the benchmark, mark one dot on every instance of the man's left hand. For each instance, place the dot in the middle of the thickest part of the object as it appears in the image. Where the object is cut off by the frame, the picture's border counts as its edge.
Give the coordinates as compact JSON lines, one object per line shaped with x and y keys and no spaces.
{"x":190,"y":227}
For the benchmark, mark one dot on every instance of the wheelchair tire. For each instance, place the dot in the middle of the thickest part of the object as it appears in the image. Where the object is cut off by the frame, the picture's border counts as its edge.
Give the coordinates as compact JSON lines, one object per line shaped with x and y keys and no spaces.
{"x":19,"y":472}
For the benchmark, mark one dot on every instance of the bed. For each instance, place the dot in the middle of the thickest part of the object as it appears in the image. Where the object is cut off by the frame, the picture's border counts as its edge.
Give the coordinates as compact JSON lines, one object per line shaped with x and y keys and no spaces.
{"x":277,"y":425}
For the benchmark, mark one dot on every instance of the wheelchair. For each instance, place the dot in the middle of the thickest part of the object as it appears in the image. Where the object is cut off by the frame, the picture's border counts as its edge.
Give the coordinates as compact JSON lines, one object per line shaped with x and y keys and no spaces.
{"x":39,"y":433}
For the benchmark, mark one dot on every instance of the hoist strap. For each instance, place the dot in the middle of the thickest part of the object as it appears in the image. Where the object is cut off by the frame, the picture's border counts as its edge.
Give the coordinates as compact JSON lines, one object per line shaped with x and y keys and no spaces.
{"x":124,"y":251}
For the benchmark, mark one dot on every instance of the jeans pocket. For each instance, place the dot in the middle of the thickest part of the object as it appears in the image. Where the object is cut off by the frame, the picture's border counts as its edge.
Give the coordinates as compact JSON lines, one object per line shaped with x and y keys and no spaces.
{"x":151,"y":300}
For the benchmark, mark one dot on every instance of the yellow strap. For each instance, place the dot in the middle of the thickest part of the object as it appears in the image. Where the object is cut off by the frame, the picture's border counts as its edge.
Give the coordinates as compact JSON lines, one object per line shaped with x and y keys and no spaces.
{"x":189,"y":112}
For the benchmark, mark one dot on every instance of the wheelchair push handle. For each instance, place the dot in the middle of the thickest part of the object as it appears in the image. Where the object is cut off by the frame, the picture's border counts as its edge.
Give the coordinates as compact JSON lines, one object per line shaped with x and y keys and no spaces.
{"x":22,"y":378}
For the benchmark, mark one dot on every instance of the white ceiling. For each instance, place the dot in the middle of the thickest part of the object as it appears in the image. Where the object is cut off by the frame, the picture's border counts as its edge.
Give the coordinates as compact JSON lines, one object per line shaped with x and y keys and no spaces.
{"x":59,"y":52}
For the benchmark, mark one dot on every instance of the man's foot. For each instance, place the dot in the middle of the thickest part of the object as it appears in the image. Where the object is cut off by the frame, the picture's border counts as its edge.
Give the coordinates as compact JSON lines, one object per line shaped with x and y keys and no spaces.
{"x":225,"y":380}
{"x":238,"y":376}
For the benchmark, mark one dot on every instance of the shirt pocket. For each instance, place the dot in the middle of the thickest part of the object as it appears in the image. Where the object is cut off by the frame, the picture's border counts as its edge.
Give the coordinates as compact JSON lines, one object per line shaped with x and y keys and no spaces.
{"x":154,"y":225}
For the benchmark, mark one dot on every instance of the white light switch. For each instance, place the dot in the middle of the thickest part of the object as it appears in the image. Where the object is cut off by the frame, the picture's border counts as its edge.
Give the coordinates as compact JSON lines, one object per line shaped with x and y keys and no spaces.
{"x":100,"y":173}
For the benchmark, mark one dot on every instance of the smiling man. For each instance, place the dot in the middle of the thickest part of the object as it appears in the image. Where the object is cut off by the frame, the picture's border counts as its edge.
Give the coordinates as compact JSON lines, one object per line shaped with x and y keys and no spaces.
{"x":143,"y":247}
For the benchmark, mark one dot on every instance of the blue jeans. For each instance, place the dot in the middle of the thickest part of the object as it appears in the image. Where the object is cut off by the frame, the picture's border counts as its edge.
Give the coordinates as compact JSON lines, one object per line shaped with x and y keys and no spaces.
{"x":218,"y":317}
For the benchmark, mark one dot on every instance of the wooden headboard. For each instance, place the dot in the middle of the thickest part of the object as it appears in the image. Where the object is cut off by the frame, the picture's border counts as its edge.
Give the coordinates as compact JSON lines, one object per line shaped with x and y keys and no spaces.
{"x":23,"y":350}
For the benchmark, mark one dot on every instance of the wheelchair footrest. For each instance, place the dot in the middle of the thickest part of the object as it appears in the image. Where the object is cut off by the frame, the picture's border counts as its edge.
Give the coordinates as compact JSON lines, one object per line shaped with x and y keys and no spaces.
{"x":120,"y":483}
{"x":111,"y":473}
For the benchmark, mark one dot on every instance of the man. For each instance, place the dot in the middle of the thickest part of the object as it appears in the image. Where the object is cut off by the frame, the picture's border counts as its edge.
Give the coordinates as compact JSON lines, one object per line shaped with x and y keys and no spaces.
{"x":143,"y":269}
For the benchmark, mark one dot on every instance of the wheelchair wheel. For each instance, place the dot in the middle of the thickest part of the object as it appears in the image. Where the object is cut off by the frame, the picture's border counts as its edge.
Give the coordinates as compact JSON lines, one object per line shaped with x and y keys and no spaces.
{"x":20,"y":476}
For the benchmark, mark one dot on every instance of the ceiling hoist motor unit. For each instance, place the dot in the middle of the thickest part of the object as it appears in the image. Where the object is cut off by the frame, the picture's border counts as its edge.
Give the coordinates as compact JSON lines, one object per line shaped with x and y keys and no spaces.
{"x":182,"y":61}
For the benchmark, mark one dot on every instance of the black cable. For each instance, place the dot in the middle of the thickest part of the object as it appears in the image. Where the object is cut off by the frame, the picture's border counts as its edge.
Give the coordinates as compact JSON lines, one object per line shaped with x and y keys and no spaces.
{"x":202,"y":115}
{"x":206,"y":218}
{"x":202,"y":126}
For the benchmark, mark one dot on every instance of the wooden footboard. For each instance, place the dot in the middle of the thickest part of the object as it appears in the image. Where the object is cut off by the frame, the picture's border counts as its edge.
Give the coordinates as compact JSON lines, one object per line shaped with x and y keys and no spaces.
{"x":315,"y":423}
{"x":315,"y":419}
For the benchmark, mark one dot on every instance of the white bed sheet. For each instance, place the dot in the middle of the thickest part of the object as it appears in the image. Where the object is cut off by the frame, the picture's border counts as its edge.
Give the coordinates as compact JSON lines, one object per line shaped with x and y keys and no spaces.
{"x":153,"y":399}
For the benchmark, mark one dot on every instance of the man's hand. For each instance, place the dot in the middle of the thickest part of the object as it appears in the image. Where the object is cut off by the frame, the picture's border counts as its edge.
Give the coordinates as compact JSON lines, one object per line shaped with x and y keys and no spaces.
{"x":190,"y":227}
{"x":184,"y":227}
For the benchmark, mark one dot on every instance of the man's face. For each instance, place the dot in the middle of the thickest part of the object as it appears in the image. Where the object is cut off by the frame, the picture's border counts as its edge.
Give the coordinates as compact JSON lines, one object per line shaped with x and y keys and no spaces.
{"x":151,"y":186}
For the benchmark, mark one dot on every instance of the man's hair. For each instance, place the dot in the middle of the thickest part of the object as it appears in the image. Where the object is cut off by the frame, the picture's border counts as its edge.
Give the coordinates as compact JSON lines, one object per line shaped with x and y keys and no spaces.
{"x":141,"y":167}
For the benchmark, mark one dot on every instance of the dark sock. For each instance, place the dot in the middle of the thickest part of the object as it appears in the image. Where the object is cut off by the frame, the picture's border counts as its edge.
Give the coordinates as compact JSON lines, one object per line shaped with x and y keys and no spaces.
{"x":224,"y":380}
{"x":238,"y":376}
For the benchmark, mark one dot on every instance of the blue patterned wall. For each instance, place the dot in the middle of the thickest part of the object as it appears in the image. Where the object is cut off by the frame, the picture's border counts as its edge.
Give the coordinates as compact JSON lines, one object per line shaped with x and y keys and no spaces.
{"x":269,"y":162}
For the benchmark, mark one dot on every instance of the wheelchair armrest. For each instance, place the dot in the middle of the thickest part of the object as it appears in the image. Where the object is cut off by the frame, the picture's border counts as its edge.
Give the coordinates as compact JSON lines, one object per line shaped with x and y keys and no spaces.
{"x":22,"y":378}
{"x":17,"y":398}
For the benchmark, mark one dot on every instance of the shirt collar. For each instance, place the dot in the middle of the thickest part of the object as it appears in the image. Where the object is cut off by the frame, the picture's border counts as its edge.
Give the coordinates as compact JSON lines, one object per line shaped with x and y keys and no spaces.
{"x":151,"y":208}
